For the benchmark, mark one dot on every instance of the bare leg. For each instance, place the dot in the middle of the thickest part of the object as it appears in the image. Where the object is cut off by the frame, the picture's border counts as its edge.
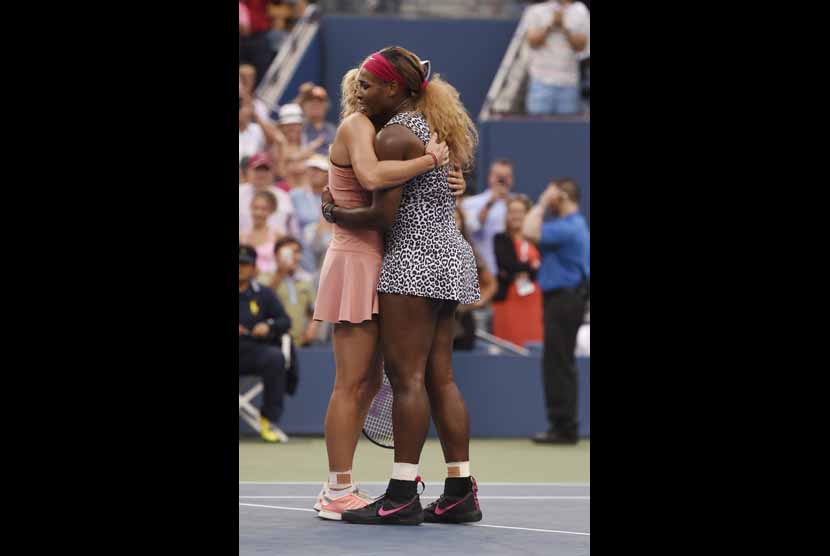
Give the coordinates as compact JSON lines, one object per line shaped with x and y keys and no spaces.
{"x":448,"y":408}
{"x":357,"y":380}
{"x":407,"y":327}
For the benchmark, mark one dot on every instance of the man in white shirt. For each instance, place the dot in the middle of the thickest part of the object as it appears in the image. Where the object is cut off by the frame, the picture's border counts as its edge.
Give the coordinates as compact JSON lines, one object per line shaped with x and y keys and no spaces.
{"x":558,"y":34}
{"x":261,"y":177}
{"x":485,"y":214}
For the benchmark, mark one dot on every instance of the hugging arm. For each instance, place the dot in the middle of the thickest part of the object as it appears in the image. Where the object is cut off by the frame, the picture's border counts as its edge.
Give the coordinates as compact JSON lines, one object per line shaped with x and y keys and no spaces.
{"x":359,"y":135}
{"x":394,"y":143}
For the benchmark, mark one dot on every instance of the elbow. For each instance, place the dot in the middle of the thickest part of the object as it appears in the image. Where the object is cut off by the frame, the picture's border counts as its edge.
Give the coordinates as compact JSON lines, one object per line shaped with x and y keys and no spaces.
{"x":371,"y":181}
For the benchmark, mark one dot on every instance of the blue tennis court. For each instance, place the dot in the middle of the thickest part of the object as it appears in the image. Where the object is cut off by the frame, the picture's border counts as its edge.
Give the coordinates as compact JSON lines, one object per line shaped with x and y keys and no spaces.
{"x":519,"y":518}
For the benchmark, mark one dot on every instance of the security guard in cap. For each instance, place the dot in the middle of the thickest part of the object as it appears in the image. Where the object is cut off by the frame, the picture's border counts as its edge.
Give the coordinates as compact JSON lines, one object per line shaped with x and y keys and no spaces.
{"x":262,"y":322}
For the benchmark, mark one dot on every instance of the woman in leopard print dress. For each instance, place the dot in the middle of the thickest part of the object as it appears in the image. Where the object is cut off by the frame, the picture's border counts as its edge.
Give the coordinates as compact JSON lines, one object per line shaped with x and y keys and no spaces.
{"x":428,"y":268}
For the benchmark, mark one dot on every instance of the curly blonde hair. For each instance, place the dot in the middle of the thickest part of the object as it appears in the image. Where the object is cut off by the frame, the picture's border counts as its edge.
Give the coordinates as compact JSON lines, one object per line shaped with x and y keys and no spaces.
{"x":348,"y":93}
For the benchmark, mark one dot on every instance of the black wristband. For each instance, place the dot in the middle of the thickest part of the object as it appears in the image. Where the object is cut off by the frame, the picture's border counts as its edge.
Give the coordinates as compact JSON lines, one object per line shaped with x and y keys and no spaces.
{"x":328,"y":212}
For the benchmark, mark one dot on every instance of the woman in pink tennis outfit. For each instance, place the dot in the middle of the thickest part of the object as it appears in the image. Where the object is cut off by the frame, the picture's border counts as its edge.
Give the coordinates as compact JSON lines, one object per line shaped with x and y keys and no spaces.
{"x":347,"y":294}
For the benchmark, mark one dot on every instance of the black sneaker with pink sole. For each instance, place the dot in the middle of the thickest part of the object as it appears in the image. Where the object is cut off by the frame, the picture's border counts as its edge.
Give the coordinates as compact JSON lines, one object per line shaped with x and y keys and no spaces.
{"x":458,"y":504}
{"x":398,"y":506}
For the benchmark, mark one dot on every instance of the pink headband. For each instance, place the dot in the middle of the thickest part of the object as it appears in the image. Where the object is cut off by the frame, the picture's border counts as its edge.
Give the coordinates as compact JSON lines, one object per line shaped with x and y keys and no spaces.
{"x":380,"y":67}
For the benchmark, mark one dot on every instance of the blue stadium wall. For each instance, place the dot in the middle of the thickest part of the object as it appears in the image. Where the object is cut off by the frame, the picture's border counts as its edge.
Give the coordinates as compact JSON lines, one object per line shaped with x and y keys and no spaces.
{"x":503,"y":393}
{"x":468,"y":54}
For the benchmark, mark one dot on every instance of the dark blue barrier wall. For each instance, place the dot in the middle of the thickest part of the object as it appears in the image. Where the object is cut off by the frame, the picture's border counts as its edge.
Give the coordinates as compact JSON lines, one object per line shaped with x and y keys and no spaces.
{"x":310,"y":68}
{"x":466,"y":52}
{"x":541,"y":150}
{"x":503,"y":394}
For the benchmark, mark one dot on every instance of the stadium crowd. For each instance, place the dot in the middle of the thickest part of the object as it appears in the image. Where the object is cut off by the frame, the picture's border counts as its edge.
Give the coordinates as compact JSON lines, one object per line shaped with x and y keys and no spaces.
{"x":282,"y":173}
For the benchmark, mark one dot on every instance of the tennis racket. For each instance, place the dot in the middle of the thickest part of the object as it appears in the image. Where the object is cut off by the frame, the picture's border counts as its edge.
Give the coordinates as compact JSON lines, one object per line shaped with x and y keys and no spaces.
{"x":378,"y":424}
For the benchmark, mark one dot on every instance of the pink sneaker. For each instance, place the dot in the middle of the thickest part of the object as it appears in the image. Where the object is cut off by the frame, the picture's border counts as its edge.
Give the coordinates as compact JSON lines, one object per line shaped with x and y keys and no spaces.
{"x":333,"y":508}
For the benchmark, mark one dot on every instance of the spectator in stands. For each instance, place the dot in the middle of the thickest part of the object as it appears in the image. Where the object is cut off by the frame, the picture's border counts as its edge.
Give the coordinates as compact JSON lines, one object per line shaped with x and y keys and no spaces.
{"x":261,"y":178}
{"x":290,"y":137}
{"x":306,"y":199}
{"x":465,"y":323}
{"x":260,"y":236}
{"x":290,"y":122}
{"x":557,"y":32}
{"x":244,"y":20}
{"x":297,"y":175}
{"x":255,"y":133}
{"x":262,"y":322}
{"x":517,"y":305}
{"x":484,"y":217}
{"x":314,"y":101}
{"x":563,"y":277}
{"x":247,"y":79}
{"x":295,"y":291}
{"x":254,"y":45}
{"x":485,"y":213}
{"x":251,"y":137}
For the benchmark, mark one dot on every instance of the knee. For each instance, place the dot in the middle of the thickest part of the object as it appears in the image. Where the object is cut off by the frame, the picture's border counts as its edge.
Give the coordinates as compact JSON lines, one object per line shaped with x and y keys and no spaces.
{"x":272,"y":360}
{"x":405,"y":379}
{"x":359,"y":387}
{"x":436,"y":385}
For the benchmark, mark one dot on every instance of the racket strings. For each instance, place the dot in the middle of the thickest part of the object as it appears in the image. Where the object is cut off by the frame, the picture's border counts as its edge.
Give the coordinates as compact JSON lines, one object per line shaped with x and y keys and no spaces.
{"x":378,"y":424}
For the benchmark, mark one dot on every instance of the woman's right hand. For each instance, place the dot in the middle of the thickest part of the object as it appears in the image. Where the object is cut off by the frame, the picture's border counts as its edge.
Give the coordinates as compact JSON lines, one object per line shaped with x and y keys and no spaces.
{"x":440,"y":150}
{"x":325,"y":197}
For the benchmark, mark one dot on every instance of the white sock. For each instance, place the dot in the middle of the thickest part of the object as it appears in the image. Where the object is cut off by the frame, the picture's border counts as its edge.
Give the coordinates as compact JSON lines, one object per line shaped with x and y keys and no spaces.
{"x":340,"y":483}
{"x":404,"y":471}
{"x":458,"y":469}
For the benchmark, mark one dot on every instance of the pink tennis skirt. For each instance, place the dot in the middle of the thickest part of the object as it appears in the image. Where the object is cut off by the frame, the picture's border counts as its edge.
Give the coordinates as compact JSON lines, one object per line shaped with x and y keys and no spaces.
{"x":348,"y":286}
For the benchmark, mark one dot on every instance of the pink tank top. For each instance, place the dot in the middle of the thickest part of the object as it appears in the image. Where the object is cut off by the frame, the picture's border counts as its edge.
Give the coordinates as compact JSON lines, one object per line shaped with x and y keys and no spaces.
{"x":348,"y":193}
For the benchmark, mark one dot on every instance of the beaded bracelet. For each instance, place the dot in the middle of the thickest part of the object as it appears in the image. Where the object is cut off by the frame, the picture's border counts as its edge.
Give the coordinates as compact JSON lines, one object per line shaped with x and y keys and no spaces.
{"x":434,"y":159}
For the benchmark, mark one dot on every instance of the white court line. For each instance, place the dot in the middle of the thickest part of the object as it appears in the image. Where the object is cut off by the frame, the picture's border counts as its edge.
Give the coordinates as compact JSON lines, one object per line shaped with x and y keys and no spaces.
{"x":473,"y":524}
{"x":427,"y":483}
{"x":529,"y":529}
{"x":278,"y":507}
{"x":434,"y":497}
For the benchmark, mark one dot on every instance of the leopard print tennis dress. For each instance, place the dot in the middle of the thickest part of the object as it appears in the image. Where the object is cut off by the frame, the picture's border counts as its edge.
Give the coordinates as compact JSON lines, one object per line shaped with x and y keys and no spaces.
{"x":424,"y":253}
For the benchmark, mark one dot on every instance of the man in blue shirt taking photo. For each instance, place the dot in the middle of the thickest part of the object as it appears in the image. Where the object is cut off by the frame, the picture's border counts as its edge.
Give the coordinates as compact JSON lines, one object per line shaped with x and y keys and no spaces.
{"x":564,"y":279}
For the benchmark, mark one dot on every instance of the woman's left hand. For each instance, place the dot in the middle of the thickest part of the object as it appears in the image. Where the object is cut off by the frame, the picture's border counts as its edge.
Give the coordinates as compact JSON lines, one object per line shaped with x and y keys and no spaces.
{"x":457,"y":184}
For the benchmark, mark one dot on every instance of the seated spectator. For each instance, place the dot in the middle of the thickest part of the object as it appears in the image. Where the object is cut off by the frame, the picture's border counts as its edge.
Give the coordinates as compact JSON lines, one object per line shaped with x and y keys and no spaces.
{"x":260,"y":236}
{"x":247,"y":79}
{"x":295,"y":290}
{"x":261,"y":178}
{"x":314,"y":101}
{"x":558,"y":31}
{"x":254,"y":46}
{"x":296,"y":174}
{"x":255,"y":133}
{"x":251,"y":136}
{"x":517,"y":304}
{"x":465,"y":323}
{"x":290,"y":137}
{"x":306,"y":201}
{"x":262,"y":322}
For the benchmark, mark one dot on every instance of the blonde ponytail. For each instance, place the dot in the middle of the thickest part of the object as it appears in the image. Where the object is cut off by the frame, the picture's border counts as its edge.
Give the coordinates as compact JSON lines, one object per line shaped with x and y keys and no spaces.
{"x":440,"y":103}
